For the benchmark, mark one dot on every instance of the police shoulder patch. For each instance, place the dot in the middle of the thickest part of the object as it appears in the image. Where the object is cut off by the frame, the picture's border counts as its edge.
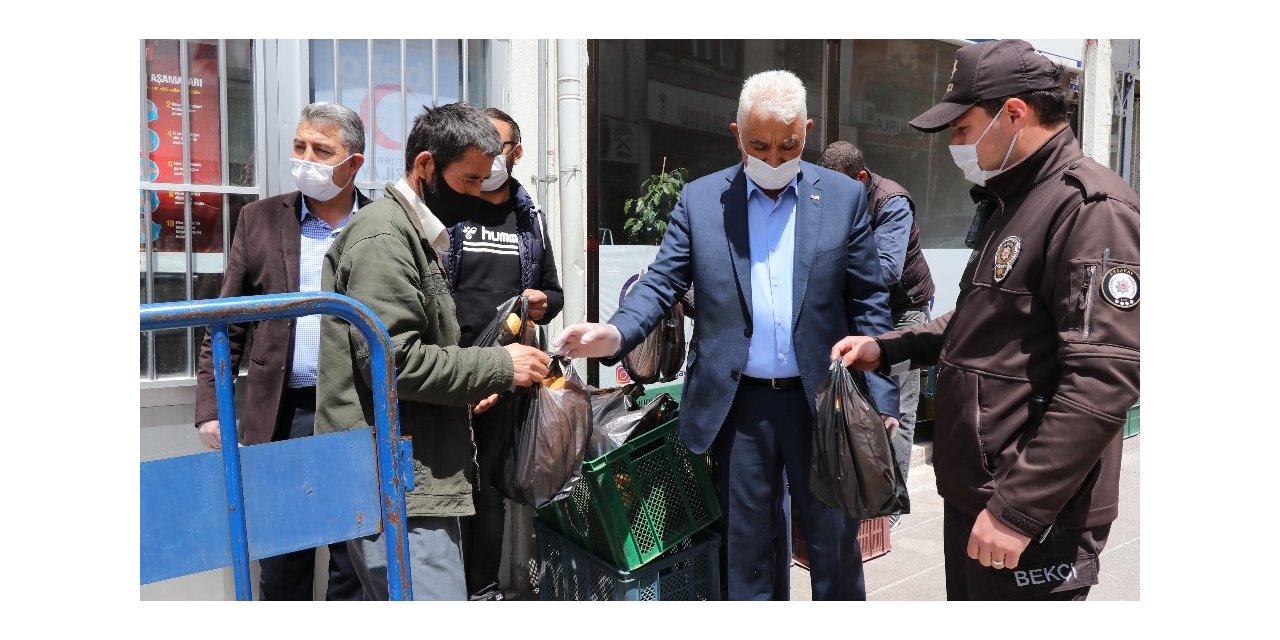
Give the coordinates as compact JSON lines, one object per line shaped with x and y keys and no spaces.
{"x":1120,"y":287}
{"x":1006,"y":254}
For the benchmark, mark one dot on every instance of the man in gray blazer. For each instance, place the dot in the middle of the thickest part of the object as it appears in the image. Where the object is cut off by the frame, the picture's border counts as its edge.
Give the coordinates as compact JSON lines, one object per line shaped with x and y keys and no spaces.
{"x":782,"y":255}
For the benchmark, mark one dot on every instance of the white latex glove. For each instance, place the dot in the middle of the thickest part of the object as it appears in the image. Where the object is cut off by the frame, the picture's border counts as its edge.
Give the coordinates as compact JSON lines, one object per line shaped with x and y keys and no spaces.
{"x":589,"y":340}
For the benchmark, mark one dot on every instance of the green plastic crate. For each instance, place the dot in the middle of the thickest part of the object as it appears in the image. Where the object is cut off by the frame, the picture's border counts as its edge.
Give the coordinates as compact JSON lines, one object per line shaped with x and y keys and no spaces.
{"x":638,"y":500}
{"x":1132,"y":423}
{"x":651,"y":391}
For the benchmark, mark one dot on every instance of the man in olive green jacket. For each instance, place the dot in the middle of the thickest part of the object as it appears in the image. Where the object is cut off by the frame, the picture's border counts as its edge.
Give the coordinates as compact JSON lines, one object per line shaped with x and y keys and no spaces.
{"x":388,"y":258}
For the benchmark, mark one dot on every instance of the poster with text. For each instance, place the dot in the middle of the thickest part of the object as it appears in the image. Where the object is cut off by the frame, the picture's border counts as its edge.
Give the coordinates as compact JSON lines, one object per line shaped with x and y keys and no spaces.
{"x":161,"y":158}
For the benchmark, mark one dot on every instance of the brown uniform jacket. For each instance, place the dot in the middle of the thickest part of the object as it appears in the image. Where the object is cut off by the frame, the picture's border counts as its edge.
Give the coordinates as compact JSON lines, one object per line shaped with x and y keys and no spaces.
{"x":265,"y":255}
{"x":1039,"y":362}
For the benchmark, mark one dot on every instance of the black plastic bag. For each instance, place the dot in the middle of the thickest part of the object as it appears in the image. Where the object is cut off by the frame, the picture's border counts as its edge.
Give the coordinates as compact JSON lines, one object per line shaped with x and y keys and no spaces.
{"x":605,"y":403}
{"x":550,"y":438}
{"x":853,"y":466}
{"x":509,"y":326}
{"x":616,"y":422}
{"x":660,"y":355}
{"x":496,"y":428}
{"x":503,"y":330}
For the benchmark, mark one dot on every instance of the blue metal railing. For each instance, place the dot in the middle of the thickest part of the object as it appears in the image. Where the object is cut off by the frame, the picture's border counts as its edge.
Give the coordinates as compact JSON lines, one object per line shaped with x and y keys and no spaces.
{"x":394,"y":471}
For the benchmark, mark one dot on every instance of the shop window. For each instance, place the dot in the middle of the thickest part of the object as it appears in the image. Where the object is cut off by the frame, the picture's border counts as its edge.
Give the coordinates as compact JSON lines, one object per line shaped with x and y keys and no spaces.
{"x":883,"y":85}
{"x":401,"y":76}
{"x":198,"y":165}
{"x":723,"y":56}
{"x":804,"y":58}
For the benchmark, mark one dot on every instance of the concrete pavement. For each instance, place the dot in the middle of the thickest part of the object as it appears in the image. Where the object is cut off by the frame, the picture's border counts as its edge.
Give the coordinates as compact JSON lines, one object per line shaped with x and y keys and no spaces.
{"x":913,"y":568}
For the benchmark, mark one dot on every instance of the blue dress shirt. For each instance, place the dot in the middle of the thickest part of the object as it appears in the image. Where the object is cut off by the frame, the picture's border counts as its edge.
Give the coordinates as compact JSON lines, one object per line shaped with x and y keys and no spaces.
{"x":771,"y":228}
{"x":317,"y":235}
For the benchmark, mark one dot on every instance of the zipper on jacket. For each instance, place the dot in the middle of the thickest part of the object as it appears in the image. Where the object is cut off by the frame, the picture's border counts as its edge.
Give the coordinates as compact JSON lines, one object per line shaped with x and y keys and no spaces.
{"x":1048,"y":530}
{"x":946,"y":339}
{"x":1086,"y":301}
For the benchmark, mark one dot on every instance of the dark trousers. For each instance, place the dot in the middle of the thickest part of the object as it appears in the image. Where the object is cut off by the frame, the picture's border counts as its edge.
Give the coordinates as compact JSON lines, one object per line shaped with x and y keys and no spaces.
{"x":762,"y":448}
{"x":483,"y":532}
{"x":1062,"y":567}
{"x":290,"y":576}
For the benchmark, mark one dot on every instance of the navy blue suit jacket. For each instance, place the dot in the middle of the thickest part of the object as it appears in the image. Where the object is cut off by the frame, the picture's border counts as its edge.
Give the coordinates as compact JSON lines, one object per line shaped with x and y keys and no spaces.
{"x":838,"y":289}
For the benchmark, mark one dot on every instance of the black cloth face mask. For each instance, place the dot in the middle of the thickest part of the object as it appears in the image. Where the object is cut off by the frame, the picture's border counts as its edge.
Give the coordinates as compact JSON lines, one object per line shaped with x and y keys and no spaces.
{"x":448,"y":205}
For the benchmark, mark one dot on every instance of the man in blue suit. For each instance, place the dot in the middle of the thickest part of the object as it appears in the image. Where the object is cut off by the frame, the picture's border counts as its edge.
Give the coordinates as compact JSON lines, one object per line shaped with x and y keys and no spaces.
{"x":782,"y":255}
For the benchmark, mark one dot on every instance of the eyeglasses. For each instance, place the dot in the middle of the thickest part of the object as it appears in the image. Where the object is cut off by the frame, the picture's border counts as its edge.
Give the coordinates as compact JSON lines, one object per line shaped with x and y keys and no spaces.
{"x":508,"y":142}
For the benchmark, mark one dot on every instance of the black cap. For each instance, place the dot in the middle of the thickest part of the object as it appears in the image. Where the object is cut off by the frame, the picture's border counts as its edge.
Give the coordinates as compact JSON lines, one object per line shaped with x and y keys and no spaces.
{"x":987,"y":70}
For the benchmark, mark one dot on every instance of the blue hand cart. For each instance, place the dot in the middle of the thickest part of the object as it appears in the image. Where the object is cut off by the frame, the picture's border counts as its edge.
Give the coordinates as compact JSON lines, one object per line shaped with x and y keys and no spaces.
{"x":218,"y":509}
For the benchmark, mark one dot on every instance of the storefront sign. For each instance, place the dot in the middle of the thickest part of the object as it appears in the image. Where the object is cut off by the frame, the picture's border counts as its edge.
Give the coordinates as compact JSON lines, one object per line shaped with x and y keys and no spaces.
{"x":690,"y":109}
{"x":888,"y":130}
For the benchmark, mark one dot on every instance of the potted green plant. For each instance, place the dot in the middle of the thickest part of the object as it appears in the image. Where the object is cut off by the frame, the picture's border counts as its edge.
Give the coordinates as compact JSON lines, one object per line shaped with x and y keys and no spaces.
{"x":647,"y":215}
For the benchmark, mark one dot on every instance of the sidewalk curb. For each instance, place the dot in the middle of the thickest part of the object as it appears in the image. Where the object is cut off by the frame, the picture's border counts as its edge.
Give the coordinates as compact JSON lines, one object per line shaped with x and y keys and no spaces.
{"x":922,"y":453}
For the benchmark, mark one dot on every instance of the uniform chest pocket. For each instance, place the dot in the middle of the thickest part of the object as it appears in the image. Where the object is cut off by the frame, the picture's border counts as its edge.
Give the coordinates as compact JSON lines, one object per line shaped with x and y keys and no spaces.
{"x":1008,"y":265}
{"x":1084,"y":277}
{"x":1103,"y":301}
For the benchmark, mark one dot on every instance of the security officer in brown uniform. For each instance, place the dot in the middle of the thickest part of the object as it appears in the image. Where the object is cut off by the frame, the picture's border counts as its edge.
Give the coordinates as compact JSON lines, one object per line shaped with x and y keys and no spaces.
{"x":1038,"y":363}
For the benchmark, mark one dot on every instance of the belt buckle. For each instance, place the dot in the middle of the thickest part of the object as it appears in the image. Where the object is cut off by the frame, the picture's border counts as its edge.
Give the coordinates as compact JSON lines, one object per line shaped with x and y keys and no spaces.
{"x":773,"y":384}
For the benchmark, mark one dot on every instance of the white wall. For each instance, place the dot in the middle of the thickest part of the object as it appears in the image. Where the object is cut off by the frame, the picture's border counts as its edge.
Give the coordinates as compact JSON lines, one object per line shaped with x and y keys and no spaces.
{"x":946,"y":266}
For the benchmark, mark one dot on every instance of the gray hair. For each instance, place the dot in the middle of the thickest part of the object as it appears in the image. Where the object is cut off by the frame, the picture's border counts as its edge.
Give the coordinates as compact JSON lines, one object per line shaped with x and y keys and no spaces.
{"x":773,"y":93}
{"x":350,"y":126}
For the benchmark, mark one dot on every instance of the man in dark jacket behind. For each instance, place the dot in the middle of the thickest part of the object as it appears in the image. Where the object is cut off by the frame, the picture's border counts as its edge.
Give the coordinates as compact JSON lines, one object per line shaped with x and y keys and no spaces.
{"x":1039,"y":362}
{"x":502,"y":251}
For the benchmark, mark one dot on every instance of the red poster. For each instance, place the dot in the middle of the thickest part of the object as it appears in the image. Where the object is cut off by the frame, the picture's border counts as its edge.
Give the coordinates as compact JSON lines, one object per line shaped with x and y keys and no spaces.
{"x":162,"y":150}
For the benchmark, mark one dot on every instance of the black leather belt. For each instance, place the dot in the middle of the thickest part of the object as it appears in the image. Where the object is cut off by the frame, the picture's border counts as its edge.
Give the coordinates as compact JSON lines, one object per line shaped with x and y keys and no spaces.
{"x":302,"y":392}
{"x":296,"y":399}
{"x":775,"y":383}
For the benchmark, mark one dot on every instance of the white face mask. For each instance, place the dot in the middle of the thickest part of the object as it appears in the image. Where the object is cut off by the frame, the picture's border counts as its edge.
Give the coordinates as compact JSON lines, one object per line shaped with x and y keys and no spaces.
{"x":966,"y":156}
{"x":315,"y":180}
{"x":497,"y":174}
{"x":767,"y":177}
